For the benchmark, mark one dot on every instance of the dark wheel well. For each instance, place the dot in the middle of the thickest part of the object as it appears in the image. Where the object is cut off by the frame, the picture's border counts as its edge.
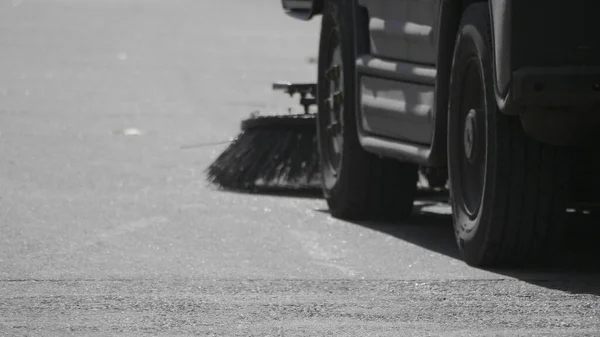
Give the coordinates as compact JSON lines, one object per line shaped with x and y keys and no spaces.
{"x":467,"y":3}
{"x":318,"y":6}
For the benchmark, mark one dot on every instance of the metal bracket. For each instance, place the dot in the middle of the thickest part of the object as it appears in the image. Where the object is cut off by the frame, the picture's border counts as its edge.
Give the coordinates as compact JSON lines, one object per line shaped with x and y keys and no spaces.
{"x":304,"y":89}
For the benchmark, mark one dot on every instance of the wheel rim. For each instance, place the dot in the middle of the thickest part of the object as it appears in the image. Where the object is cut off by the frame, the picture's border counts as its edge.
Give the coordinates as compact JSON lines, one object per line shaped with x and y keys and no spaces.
{"x":472,"y":139}
{"x":334,"y":97}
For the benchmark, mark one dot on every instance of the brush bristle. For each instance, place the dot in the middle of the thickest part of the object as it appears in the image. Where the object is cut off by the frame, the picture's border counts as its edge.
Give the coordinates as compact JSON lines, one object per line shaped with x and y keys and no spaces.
{"x":274,"y":155}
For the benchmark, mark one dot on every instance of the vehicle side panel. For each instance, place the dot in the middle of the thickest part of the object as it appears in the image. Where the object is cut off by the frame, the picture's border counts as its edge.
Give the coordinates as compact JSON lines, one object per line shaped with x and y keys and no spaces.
{"x":397,"y":73}
{"x":382,"y":100}
{"x":402,"y":29}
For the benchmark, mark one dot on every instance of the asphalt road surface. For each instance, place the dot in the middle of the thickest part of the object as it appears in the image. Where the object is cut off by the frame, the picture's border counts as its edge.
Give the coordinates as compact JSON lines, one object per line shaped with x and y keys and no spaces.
{"x":110,"y":110}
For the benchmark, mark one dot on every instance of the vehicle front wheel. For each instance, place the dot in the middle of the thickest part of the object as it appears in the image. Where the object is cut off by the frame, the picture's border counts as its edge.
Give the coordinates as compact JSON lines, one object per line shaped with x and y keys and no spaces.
{"x":356,"y":184}
{"x":508,"y":192}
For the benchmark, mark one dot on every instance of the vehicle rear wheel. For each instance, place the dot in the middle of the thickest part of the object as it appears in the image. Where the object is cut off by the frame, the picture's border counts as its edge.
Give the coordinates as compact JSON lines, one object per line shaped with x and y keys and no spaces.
{"x":356,"y":184}
{"x":508,"y":192}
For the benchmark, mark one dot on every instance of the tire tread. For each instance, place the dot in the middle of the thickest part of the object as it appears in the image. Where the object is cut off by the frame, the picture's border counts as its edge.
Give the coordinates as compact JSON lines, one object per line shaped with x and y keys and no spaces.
{"x":528,"y":205}
{"x":369,"y":187}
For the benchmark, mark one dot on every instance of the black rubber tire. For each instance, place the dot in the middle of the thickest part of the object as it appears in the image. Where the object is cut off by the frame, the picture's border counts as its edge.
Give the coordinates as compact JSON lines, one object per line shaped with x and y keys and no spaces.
{"x":366,"y":186}
{"x":522,"y":208}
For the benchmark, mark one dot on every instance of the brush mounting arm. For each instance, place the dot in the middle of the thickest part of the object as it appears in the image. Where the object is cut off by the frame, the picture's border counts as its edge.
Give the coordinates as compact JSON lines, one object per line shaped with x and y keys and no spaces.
{"x":304,"y":89}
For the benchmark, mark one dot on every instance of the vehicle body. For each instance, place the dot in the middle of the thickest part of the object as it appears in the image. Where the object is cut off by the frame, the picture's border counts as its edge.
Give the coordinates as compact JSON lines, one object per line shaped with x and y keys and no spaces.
{"x":530,"y":71}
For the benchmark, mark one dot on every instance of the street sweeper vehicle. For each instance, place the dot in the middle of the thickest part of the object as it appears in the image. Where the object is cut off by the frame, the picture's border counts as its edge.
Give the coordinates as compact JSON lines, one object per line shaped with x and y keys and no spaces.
{"x":499,"y":95}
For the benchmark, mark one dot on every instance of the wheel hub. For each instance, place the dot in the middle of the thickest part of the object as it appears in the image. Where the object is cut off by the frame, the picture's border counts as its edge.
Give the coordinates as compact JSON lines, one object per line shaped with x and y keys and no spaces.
{"x":470,"y":135}
{"x":470,"y":140}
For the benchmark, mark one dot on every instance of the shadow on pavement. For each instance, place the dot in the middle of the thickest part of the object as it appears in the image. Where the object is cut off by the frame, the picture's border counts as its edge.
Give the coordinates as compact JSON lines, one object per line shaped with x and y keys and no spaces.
{"x":307,"y":192}
{"x":303,"y":193}
{"x":578,"y":271}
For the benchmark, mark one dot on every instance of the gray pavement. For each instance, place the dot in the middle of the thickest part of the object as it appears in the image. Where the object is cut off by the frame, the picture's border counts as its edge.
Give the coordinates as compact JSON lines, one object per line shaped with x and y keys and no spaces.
{"x":110,"y":110}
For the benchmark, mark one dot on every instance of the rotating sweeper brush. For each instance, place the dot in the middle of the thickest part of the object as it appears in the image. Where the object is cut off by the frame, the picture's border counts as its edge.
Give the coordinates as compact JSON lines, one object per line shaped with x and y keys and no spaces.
{"x":277,"y":151}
